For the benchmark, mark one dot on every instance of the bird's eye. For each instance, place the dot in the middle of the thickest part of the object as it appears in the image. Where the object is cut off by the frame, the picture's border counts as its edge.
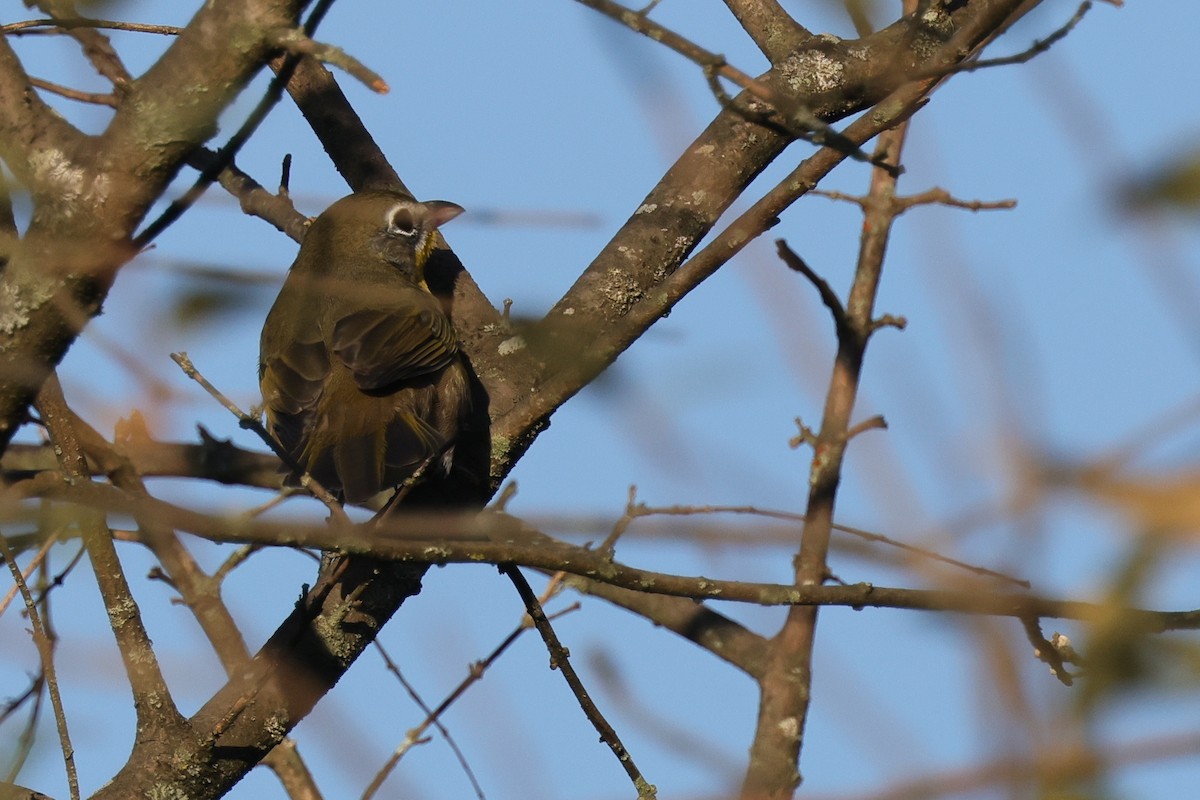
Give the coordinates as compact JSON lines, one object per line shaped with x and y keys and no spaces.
{"x":402,"y":223}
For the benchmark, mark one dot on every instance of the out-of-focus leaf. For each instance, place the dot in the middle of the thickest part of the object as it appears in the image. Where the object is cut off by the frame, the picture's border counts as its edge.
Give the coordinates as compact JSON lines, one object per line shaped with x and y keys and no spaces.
{"x":1173,"y":187}
{"x":198,"y":304}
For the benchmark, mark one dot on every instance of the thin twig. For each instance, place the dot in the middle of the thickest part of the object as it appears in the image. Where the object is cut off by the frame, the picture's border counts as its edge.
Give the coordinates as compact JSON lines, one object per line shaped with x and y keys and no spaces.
{"x":28,"y":733}
{"x":828,"y":295}
{"x":1038,"y":47}
{"x":33,"y":564}
{"x":297,"y":43}
{"x":60,"y":26}
{"x":935,"y":196}
{"x":46,"y":652}
{"x":252,"y":423}
{"x":888,"y":321}
{"x":106,"y":99}
{"x":254,"y":200}
{"x":790,"y":516}
{"x":793,"y":116}
{"x":875,"y":423}
{"x":560,"y":659}
{"x":804,"y":435}
{"x":235,"y":560}
{"x":1053,"y":653}
{"x":943,"y":198}
{"x":96,"y":47}
{"x":621,"y":525}
{"x":432,"y":718}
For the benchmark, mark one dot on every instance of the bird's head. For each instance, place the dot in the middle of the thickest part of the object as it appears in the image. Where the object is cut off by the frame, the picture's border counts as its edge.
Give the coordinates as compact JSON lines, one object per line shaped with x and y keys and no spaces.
{"x":408,"y":233}
{"x":393,"y":227}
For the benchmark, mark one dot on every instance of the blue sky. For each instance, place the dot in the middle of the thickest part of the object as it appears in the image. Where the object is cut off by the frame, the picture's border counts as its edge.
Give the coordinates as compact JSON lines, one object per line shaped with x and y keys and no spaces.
{"x":1040,"y":330}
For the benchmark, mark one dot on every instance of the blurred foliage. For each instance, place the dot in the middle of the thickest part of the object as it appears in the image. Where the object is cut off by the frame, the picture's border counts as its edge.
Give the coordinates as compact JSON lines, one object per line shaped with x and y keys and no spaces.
{"x":1173,"y":186}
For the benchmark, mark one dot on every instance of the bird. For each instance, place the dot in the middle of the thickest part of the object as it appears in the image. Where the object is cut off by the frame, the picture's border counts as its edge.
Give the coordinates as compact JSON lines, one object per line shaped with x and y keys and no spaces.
{"x":362,"y":379}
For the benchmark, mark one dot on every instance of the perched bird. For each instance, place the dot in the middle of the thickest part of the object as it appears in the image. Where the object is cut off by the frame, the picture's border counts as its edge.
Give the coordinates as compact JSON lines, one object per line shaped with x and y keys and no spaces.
{"x":361,"y":377}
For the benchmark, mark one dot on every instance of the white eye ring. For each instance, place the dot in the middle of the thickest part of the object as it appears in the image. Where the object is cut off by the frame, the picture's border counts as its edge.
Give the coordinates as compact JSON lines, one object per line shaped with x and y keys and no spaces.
{"x":393,"y":228}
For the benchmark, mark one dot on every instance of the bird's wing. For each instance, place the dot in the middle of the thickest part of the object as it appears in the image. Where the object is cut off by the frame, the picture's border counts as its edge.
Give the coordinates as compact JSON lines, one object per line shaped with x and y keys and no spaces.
{"x":292,"y":375}
{"x":382,"y":347}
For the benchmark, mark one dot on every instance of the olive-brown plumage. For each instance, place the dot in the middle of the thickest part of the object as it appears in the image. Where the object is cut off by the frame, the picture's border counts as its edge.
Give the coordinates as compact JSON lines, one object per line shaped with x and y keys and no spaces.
{"x":361,"y":377}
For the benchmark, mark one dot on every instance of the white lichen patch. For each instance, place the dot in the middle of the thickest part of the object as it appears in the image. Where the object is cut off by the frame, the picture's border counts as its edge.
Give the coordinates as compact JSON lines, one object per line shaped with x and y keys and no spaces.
{"x":790,"y":727}
{"x":511,"y":345}
{"x":647,"y":208}
{"x":72,"y":186}
{"x":620,"y":290}
{"x":13,"y":313}
{"x":812,"y":72}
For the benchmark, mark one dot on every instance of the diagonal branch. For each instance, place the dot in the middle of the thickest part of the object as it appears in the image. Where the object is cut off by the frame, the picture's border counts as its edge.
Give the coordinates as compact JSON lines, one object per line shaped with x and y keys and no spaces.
{"x":45,"y":646}
{"x":638,"y":277}
{"x":157,"y":714}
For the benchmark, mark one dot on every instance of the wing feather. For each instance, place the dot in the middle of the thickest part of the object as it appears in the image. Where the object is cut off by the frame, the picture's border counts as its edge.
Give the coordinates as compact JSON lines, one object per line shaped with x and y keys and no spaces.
{"x":383,"y":347}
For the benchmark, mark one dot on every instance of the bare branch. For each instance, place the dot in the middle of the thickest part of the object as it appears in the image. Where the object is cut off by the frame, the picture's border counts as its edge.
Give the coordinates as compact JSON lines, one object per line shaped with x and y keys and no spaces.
{"x":785,"y":688}
{"x":45,"y":649}
{"x":253,"y":199}
{"x":74,"y":94}
{"x":1038,"y":47}
{"x":60,"y":274}
{"x":464,"y":538}
{"x":784,"y":111}
{"x":57,"y":26}
{"x":828,"y":296}
{"x":297,"y":43}
{"x":156,"y":710}
{"x":561,"y":661}
{"x":95,"y":45}
{"x":772,"y":28}
{"x":28,"y":122}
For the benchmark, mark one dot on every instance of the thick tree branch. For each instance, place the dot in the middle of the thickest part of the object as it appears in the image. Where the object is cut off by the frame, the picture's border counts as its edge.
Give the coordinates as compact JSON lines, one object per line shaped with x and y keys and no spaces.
{"x":770,"y":26}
